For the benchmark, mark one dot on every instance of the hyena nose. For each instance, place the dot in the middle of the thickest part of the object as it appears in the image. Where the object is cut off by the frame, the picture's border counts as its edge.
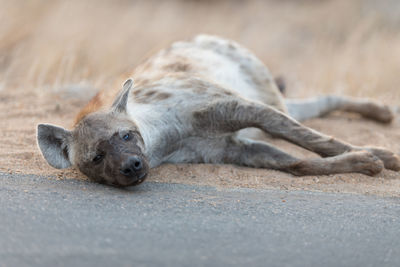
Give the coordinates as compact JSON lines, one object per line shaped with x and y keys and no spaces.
{"x":131,"y":166}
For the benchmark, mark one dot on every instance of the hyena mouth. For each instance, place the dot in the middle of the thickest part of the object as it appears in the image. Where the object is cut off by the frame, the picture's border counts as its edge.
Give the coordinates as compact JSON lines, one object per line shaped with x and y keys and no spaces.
{"x":140,"y":180}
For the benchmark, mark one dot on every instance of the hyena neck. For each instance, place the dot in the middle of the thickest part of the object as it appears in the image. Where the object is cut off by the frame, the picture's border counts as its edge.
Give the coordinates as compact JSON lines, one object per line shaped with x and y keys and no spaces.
{"x":149,"y":122}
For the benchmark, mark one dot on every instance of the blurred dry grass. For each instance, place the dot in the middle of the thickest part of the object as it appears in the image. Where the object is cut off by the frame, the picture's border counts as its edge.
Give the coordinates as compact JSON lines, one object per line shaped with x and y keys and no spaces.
{"x":342,"y":46}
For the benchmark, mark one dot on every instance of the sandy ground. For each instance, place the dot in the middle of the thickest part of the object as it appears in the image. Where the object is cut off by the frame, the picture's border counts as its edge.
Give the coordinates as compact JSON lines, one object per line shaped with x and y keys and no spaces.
{"x":21,"y":111}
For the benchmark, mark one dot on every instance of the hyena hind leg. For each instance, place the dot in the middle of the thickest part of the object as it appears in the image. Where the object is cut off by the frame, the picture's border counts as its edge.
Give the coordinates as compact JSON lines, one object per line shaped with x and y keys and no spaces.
{"x":303,"y":109}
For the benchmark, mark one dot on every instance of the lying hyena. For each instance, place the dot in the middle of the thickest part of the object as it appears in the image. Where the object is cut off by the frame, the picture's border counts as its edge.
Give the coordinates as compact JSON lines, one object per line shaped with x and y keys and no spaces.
{"x":199,"y":102}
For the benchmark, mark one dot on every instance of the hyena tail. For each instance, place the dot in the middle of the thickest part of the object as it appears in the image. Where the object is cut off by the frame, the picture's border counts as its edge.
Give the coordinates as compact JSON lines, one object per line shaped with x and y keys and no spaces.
{"x":303,"y":109}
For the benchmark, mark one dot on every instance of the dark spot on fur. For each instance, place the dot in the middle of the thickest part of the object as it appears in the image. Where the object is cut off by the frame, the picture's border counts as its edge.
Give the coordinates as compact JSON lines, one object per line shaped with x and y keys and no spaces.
{"x":149,"y":93}
{"x":152,"y":96}
{"x":177,"y":67}
{"x":161,"y":96}
{"x":200,"y":86}
{"x":197,"y":85}
{"x":137,"y":92}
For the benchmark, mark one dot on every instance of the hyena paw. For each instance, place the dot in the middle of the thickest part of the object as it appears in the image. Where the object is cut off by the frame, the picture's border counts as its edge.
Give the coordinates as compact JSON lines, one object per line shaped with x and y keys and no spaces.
{"x":365,"y":162}
{"x":390,"y":160}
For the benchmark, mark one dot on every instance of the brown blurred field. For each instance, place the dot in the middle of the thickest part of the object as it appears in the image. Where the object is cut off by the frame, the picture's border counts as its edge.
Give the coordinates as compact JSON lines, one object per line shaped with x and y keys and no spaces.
{"x":54,"y":55}
{"x":343,"y":46}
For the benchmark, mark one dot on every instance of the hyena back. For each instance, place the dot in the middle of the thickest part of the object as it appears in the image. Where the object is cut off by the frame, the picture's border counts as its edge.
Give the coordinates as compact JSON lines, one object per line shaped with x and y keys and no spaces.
{"x":199,"y":101}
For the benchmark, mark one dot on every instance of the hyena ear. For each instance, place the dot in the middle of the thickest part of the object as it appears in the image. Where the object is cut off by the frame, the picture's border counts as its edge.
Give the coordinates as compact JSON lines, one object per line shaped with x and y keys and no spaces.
{"x":53,"y":142}
{"x":121,"y":101}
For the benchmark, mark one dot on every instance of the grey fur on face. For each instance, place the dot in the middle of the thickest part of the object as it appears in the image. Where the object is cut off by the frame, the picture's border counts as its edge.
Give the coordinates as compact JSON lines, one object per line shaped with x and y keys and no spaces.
{"x":116,"y":140}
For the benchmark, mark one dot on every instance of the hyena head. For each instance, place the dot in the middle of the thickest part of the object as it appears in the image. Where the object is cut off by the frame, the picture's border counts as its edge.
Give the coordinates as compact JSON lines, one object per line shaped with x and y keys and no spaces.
{"x":105,"y":146}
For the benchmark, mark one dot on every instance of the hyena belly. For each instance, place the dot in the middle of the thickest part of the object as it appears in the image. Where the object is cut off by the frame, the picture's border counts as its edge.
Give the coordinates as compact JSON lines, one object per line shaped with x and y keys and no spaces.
{"x":219,"y":61}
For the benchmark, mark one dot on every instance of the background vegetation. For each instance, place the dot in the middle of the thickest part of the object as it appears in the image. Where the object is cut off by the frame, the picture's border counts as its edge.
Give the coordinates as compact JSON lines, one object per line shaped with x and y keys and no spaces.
{"x":350,"y":47}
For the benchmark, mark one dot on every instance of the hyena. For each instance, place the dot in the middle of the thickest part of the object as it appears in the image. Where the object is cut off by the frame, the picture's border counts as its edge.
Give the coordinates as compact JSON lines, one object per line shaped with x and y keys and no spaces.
{"x":202,"y":101}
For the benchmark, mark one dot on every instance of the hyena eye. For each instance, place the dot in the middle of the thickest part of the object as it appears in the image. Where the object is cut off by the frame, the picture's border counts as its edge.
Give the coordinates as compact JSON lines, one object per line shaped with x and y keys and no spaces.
{"x":98,"y":158}
{"x":126,"y":137}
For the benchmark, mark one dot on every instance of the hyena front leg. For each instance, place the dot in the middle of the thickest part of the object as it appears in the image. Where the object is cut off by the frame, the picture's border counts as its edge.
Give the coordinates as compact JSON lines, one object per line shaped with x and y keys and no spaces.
{"x":228,"y":116}
{"x":246,"y":152}
{"x":262,"y":155}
